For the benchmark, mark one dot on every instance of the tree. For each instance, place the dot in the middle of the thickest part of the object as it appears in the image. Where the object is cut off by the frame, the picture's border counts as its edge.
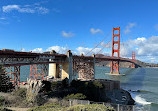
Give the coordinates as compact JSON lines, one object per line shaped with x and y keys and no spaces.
{"x":5,"y":84}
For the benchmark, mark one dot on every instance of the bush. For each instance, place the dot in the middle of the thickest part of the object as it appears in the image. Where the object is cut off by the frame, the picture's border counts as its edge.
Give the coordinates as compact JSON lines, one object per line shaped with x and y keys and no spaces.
{"x":50,"y":107}
{"x":65,"y":83}
{"x":75,"y":83}
{"x":75,"y":96}
{"x":91,"y":107}
{"x":21,"y":92}
{"x":46,"y":86}
{"x":56,"y":85}
{"x":97,"y":84}
{"x":2,"y":100}
{"x":54,"y":107}
{"x":5,"y":84}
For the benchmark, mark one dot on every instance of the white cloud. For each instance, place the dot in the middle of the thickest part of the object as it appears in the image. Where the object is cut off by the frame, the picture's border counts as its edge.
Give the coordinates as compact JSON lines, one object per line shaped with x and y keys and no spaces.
{"x":25,"y":9}
{"x":9,"y":8}
{"x":146,"y":48}
{"x":37,"y":50}
{"x":42,"y":10}
{"x":23,"y":50}
{"x":58,"y":49}
{"x":85,"y":50}
{"x":128,"y":27}
{"x":3,"y":18}
{"x":67,"y":34}
{"x":95,"y":31}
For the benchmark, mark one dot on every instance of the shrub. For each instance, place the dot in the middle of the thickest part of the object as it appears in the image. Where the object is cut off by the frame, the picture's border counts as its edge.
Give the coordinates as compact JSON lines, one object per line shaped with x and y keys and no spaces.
{"x":50,"y":107}
{"x":56,"y":107}
{"x":56,"y":85}
{"x":91,"y":107}
{"x":46,"y":86}
{"x":2,"y":100}
{"x":75,"y":96}
{"x":5,"y":84}
{"x":65,"y":83}
{"x":75,"y":83}
{"x":21,"y":92}
{"x":97,"y":84}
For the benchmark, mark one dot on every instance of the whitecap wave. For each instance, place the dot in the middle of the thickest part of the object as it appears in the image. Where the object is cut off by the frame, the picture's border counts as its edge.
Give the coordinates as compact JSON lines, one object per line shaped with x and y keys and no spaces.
{"x":141,"y":100}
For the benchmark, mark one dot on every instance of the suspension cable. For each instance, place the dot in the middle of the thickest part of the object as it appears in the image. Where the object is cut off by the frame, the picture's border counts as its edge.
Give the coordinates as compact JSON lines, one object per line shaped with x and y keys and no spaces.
{"x":98,"y":44}
{"x":104,"y":46}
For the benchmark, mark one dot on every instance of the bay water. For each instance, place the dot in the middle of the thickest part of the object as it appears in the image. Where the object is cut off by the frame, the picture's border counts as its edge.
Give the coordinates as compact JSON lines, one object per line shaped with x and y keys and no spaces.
{"x":142,"y":83}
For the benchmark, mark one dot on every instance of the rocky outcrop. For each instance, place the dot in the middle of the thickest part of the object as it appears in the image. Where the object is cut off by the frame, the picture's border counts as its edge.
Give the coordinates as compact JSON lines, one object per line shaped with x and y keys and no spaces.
{"x":111,"y":92}
{"x":120,"y":96}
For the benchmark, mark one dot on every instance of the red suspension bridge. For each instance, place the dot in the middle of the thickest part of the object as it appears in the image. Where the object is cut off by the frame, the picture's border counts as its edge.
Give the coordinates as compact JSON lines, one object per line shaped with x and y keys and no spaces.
{"x":83,"y":65}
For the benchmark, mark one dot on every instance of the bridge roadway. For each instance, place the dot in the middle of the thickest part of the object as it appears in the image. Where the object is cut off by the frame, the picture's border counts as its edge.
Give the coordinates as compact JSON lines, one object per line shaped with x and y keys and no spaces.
{"x":15,"y":58}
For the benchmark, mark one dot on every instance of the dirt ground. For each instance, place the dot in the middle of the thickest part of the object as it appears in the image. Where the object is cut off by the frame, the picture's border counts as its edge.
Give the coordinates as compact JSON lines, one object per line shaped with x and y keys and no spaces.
{"x":17,"y":109}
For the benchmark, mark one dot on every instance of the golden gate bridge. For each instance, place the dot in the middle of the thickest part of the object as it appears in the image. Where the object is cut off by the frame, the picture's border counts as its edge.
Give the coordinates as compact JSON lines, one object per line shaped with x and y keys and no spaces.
{"x":83,"y":65}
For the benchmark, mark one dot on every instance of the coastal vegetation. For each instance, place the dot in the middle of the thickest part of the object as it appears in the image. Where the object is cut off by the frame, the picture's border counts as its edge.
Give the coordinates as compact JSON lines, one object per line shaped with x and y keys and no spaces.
{"x":55,"y":107}
{"x":56,"y":98}
{"x":5,"y":84}
{"x":51,"y":95}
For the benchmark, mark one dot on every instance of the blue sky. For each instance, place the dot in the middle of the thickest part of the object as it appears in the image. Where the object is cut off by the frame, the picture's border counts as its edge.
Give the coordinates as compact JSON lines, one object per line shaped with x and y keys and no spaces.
{"x":42,"y":25}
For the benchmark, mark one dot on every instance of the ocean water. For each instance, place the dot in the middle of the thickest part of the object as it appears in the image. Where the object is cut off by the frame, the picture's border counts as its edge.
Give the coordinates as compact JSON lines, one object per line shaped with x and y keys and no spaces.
{"x":142,"y":83}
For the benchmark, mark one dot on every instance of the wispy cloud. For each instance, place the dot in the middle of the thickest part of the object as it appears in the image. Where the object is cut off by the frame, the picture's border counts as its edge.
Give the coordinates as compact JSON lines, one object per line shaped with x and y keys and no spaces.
{"x":37,"y":50}
{"x":25,"y":9}
{"x":23,"y":50}
{"x":67,"y":34}
{"x":3,"y":18}
{"x":128,"y":27}
{"x":42,"y":10}
{"x":95,"y":31}
{"x":58,"y":49}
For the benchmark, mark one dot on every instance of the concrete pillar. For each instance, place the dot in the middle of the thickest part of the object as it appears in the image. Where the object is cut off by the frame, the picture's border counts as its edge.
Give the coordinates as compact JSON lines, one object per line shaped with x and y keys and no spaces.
{"x":52,"y":70}
{"x":57,"y":70}
{"x":65,"y":71}
{"x":67,"y":67}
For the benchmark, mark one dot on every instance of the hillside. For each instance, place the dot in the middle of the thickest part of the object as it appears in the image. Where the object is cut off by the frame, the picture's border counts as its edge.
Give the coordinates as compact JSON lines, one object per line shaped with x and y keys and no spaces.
{"x":124,"y":64}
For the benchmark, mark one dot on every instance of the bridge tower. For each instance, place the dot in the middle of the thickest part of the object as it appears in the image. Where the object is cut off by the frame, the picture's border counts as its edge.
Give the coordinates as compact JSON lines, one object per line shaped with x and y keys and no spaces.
{"x":133,"y":59}
{"x":115,"y":49}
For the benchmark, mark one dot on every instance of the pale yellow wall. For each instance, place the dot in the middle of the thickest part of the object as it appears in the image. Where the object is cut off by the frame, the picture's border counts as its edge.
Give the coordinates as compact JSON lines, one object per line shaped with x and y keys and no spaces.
{"x":52,"y":69}
{"x":65,"y":70}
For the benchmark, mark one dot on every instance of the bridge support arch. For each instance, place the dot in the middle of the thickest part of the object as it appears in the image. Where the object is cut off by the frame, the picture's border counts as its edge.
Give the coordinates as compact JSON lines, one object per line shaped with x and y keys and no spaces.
{"x":14,"y":73}
{"x":67,"y":71}
{"x":38,"y":71}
